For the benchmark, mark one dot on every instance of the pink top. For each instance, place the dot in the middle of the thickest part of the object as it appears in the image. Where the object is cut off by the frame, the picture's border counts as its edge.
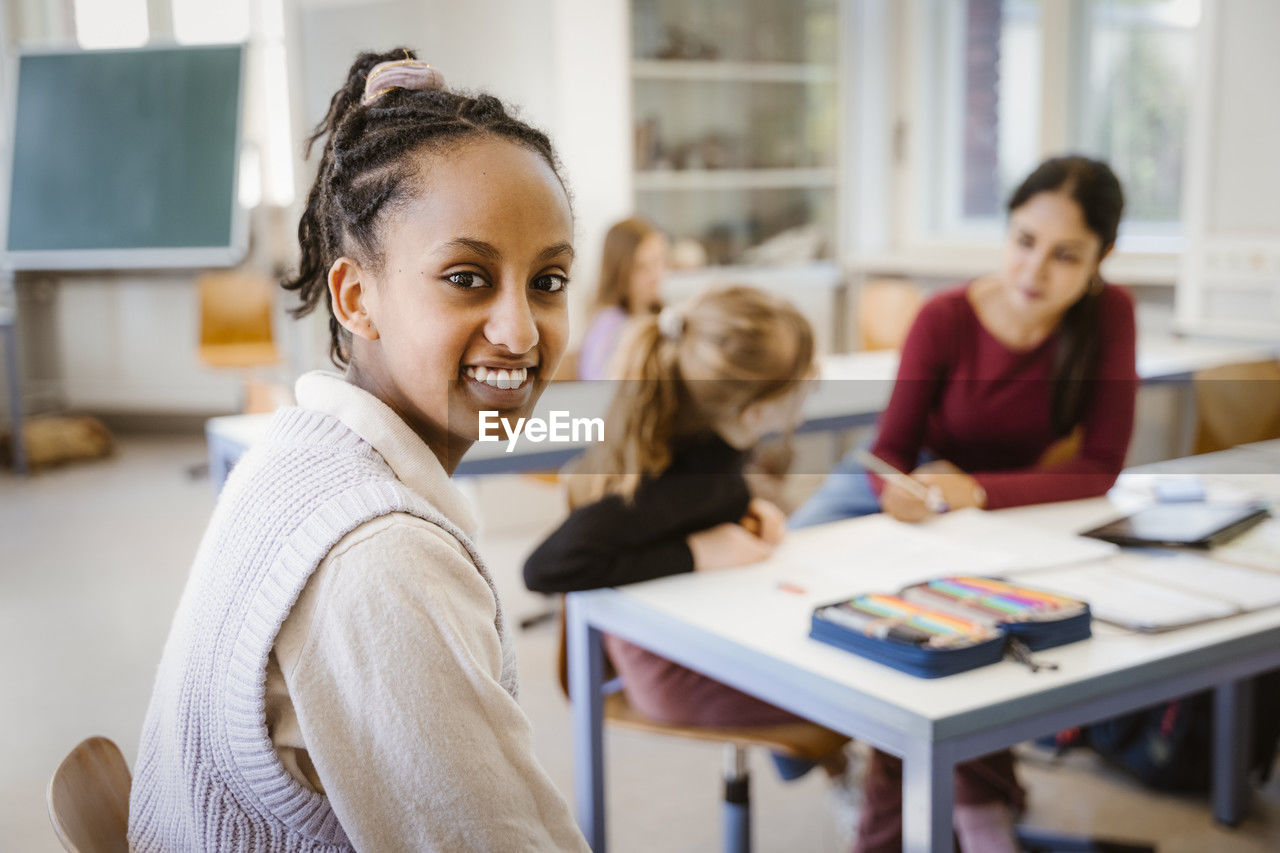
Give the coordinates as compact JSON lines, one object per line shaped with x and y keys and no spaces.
{"x":969,"y":399}
{"x":600,"y":342}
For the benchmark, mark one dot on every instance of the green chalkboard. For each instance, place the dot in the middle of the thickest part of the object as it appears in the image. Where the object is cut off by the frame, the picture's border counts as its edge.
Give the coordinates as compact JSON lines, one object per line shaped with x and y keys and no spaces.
{"x":124,"y":155}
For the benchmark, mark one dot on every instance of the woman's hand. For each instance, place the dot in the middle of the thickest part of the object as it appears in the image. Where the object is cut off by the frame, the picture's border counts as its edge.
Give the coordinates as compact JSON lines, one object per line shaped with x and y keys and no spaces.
{"x":958,"y":489}
{"x":765,"y":520}
{"x":903,"y":504}
{"x":725,"y":546}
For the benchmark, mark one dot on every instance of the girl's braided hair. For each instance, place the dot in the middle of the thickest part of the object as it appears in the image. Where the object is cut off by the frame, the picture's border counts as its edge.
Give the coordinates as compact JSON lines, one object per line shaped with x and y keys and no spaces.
{"x":365,"y":170}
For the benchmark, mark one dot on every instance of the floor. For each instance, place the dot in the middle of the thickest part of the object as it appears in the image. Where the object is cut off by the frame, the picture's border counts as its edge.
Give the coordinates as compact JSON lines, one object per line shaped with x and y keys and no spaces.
{"x":94,"y":560}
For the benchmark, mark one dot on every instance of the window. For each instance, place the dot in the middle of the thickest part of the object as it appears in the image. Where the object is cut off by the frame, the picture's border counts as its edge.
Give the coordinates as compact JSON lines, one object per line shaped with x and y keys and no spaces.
{"x":266,"y":164}
{"x":1139,"y":57}
{"x":984,"y":132}
{"x":1007,"y":83}
{"x":111,"y":23}
{"x":202,"y":22}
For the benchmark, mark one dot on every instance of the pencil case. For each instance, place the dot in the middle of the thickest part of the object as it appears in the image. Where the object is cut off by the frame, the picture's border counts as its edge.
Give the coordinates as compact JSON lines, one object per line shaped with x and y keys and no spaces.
{"x":951,"y":625}
{"x":844,"y":624}
{"x":1040,"y":619}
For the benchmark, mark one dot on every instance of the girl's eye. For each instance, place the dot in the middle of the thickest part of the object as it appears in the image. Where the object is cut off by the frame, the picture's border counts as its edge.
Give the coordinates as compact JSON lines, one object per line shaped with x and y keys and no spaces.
{"x":1026,"y":241}
{"x":1067,"y":257}
{"x":550,"y":283}
{"x":468,"y":280}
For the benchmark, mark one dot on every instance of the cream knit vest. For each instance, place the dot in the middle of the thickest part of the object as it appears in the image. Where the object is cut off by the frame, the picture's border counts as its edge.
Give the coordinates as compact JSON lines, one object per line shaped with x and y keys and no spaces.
{"x":207,"y":775}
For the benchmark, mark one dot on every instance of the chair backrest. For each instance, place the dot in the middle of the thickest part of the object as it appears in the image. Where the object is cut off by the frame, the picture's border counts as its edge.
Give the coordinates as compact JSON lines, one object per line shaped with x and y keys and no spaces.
{"x":235,"y":319}
{"x":1237,"y":404}
{"x":89,"y":798}
{"x":886,"y":308}
{"x":562,"y":655}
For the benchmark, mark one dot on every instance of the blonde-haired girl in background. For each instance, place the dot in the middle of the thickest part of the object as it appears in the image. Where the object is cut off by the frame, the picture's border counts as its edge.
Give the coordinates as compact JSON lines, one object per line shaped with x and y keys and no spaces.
{"x":631,"y":271}
{"x":699,"y":386}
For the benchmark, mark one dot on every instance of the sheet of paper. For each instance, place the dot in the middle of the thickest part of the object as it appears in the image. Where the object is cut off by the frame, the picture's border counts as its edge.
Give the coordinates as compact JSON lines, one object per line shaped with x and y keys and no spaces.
{"x":1248,"y":589}
{"x":877,"y":553}
{"x":1130,"y":600}
{"x":1019,"y":546}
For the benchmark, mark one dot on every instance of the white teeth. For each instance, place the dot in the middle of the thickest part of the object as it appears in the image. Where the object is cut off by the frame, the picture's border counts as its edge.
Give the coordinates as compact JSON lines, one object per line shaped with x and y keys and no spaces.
{"x":505,"y":379}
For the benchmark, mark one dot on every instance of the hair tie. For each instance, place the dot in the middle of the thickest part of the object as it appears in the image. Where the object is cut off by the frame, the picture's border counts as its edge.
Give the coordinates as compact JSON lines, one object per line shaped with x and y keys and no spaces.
{"x":400,"y":74}
{"x":671,"y":323}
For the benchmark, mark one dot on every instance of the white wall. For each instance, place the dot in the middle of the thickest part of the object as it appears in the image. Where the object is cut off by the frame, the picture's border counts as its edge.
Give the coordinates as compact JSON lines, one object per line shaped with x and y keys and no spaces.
{"x":1231,"y":272}
{"x":592,"y":128}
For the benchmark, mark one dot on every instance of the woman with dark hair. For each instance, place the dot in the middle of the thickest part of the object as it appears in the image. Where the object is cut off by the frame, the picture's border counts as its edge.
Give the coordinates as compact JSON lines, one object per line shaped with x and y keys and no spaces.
{"x":1015,"y":388}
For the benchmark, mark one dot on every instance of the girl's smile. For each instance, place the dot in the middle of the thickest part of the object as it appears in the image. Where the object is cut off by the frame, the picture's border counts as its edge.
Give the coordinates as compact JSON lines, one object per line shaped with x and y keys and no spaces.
{"x":500,"y":386}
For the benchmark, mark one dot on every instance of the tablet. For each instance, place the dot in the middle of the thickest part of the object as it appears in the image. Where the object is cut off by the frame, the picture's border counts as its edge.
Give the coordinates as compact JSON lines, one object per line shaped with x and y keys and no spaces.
{"x":1182,"y":525}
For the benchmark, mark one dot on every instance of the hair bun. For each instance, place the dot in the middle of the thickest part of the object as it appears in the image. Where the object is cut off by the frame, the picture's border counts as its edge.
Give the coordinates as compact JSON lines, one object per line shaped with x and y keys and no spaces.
{"x":400,"y":74}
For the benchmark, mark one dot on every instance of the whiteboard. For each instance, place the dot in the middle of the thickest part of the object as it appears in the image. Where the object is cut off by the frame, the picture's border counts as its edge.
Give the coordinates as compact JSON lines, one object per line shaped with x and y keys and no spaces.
{"x":126,"y":159}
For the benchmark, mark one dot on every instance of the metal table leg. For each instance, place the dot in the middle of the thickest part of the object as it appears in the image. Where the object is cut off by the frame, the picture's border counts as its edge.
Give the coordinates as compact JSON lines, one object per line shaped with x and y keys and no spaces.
{"x":586,"y":675}
{"x":1232,"y":741}
{"x":928,"y":792}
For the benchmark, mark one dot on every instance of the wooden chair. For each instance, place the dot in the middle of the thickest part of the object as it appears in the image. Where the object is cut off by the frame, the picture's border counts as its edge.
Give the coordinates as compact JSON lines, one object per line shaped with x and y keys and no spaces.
{"x":89,"y":798}
{"x":235,"y":320}
{"x":1237,"y":404}
{"x":807,"y":741}
{"x":236,"y":334}
{"x":886,"y":308}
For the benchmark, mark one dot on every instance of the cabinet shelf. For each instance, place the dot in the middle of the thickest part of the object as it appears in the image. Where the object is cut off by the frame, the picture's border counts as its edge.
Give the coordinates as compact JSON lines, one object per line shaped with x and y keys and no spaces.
{"x":736,"y":130}
{"x":721,"y":71}
{"x":733,"y":179}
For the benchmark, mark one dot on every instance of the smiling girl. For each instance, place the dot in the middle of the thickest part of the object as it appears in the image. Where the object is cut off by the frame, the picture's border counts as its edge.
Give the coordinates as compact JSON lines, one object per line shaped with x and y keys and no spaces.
{"x":339,"y":673}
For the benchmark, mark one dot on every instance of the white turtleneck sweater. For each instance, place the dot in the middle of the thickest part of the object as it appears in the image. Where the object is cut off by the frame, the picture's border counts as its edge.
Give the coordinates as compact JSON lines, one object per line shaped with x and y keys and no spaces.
{"x":389,"y":691}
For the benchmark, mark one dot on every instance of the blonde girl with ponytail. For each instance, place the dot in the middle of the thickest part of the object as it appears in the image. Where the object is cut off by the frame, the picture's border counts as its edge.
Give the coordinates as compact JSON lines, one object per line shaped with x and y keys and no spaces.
{"x":699,"y":385}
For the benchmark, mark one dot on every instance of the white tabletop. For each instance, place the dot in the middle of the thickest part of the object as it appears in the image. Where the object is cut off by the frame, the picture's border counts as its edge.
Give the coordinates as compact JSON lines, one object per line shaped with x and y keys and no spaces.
{"x":747,"y":608}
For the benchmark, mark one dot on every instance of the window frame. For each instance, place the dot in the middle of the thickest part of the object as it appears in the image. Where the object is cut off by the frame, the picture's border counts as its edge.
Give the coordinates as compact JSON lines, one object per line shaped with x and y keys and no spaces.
{"x":929,"y":218}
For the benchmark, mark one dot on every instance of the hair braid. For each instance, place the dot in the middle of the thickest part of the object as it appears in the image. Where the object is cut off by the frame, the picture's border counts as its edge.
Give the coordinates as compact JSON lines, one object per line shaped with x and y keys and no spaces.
{"x":365,"y":166}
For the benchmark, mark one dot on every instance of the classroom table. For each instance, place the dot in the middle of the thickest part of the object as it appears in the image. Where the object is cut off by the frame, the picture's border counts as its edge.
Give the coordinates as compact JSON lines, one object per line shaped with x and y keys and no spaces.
{"x":852,"y":391}
{"x":749,"y":629}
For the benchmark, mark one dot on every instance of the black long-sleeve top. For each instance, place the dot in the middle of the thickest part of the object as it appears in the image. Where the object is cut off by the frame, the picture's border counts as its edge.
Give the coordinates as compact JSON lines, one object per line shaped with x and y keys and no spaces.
{"x":613,"y":542}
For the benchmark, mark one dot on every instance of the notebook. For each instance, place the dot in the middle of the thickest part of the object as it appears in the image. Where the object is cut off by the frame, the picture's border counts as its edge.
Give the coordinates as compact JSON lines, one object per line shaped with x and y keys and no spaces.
{"x":1150,"y":592}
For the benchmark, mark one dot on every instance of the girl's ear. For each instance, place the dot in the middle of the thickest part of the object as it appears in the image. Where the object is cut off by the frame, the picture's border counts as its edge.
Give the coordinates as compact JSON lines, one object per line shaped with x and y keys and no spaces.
{"x":349,"y":292}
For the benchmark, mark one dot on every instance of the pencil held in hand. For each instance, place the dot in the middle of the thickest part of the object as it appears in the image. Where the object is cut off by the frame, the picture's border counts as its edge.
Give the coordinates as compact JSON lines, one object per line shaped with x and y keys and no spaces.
{"x":930,"y":495}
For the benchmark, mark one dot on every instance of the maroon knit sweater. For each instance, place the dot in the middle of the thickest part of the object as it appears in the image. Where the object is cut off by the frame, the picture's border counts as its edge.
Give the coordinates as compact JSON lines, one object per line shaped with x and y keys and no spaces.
{"x":968,"y":398}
